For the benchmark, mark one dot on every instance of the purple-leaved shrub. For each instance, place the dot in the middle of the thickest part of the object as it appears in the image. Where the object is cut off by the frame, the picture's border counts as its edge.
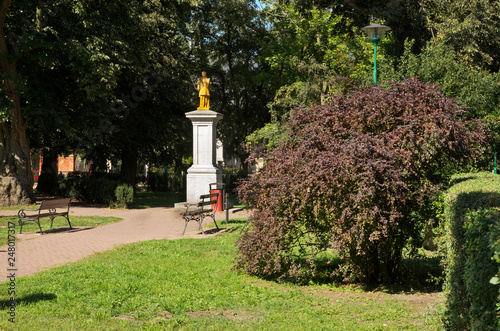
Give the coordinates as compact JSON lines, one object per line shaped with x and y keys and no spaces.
{"x":350,"y":178}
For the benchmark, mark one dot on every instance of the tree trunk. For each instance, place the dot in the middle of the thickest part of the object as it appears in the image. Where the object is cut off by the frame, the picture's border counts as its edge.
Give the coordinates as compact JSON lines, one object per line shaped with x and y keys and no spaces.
{"x":47,"y":182}
{"x":16,"y":178}
{"x":129,"y":166}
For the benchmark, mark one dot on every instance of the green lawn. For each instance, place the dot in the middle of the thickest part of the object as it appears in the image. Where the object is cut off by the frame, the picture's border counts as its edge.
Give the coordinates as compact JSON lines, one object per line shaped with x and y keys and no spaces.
{"x":189,"y":284}
{"x":32,"y":206}
{"x":60,"y":223}
{"x":156,"y":199}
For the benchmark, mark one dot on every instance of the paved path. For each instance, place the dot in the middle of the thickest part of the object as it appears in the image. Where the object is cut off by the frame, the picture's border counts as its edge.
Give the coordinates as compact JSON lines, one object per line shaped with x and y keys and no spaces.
{"x":35,"y":252}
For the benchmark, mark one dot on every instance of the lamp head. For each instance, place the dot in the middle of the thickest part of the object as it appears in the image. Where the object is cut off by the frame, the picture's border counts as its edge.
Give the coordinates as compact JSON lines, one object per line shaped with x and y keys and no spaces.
{"x":375,"y":31}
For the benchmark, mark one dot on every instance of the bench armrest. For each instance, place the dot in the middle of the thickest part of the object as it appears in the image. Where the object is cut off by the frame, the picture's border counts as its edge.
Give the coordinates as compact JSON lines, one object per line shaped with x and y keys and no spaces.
{"x":190,"y":205}
{"x":22,"y":213}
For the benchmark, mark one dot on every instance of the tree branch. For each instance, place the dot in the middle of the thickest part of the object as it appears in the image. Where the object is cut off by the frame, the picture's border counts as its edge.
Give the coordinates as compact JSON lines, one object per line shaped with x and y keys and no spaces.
{"x":356,"y":7}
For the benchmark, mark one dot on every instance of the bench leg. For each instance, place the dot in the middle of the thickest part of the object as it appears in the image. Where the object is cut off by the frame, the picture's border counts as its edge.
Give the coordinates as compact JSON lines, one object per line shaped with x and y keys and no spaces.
{"x":200,"y":220}
{"x":185,"y":226}
{"x":38,"y":222}
{"x":67,"y":217}
{"x":21,"y":223}
{"x":212,"y":216}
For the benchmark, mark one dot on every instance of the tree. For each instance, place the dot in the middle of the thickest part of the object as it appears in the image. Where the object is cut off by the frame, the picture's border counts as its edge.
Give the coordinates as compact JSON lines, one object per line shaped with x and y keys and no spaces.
{"x":16,"y":186}
{"x":310,"y":44}
{"x":351,"y":178}
{"x":226,"y":39}
{"x":438,"y":63}
{"x":470,"y":27}
{"x":405,"y":17}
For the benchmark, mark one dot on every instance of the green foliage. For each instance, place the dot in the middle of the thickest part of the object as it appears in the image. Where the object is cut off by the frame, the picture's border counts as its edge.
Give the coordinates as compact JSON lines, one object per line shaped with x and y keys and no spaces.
{"x":226,"y":42}
{"x":310,"y":45}
{"x":438,"y":63}
{"x":471,"y":210}
{"x":124,"y":195}
{"x":470,"y":26}
{"x":350,"y":177}
{"x":97,"y":190}
{"x":495,"y":248}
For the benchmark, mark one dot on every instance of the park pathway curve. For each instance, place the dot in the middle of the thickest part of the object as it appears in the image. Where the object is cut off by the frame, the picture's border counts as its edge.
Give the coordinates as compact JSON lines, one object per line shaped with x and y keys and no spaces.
{"x":35,"y":252}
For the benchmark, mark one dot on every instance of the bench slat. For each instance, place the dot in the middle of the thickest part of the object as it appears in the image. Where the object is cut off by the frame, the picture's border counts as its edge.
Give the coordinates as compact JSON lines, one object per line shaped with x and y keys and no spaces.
{"x":200,"y":213}
{"x":59,"y":203}
{"x":209,"y":196}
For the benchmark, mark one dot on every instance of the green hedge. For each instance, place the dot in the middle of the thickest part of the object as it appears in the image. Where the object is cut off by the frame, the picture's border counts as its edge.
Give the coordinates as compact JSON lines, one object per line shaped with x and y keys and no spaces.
{"x":470,"y":214}
{"x":495,"y":247}
{"x":97,"y":190}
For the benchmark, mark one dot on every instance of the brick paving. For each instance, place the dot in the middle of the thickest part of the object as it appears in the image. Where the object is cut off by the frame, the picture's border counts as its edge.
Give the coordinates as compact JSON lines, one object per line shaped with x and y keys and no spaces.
{"x":35,"y":252}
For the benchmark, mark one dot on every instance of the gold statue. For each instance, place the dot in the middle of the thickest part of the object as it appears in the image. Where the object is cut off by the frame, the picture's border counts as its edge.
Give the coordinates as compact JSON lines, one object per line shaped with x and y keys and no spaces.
{"x":204,"y":91}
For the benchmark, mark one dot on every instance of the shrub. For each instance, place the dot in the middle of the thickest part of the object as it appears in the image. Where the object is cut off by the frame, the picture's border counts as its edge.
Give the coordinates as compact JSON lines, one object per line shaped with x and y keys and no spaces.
{"x":350,"y":177}
{"x":469,"y":218}
{"x":124,"y":195}
{"x":97,"y":190}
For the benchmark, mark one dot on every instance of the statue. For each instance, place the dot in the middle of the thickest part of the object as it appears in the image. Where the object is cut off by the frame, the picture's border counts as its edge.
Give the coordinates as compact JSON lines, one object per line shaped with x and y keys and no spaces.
{"x":204,"y":91}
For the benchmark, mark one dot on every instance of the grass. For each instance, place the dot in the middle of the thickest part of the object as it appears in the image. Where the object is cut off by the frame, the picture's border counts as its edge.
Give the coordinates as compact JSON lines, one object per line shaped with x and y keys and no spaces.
{"x":59,"y":223}
{"x":189,"y":284}
{"x":236,"y":202}
{"x":156,"y":199}
{"x":32,"y":206}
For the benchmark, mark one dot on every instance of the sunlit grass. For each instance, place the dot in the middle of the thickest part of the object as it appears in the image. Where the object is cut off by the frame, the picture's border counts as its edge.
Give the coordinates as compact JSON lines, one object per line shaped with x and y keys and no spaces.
{"x":189,"y":284}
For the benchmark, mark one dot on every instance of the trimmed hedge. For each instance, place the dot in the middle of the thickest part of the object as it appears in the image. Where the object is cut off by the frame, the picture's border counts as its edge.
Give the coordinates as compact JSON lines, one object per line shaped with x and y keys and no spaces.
{"x":97,"y":190}
{"x":471,"y":211}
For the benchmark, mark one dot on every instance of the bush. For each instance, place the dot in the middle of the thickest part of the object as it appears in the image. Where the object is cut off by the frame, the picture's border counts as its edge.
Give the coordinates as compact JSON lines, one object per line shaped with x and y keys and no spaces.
{"x":97,"y":190}
{"x":124,"y":195}
{"x":351,"y":177}
{"x":468,"y":240}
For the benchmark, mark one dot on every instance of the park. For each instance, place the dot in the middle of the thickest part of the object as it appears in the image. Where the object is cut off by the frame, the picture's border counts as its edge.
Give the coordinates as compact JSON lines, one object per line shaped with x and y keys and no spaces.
{"x":249,"y":165}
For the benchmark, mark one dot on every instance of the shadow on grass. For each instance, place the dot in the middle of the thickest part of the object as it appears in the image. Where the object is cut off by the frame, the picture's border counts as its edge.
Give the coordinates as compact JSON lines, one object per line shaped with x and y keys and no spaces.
{"x":420,"y":274}
{"x":144,"y":200}
{"x":29,"y":299}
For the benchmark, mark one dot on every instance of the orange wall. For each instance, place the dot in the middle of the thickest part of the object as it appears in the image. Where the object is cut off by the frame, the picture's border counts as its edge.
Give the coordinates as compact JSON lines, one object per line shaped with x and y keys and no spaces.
{"x":66,"y":164}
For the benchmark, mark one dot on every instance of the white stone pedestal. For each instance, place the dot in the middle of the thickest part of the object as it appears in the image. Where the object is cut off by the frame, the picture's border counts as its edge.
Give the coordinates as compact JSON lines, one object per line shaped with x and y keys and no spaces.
{"x":204,"y":170}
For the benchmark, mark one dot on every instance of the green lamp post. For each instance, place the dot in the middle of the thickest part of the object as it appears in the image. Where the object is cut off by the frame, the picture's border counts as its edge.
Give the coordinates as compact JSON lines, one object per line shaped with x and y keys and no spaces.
{"x":375,"y":32}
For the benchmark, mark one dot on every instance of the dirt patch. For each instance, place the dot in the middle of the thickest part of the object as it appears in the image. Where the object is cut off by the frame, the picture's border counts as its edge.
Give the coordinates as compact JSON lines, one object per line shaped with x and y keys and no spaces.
{"x":165,"y":314}
{"x":415,"y":301}
{"x":227,"y":314}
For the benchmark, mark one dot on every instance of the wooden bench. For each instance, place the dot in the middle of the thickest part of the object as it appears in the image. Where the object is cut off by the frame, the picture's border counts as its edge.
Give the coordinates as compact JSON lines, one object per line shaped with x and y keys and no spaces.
{"x":199,"y":211}
{"x":48,"y":209}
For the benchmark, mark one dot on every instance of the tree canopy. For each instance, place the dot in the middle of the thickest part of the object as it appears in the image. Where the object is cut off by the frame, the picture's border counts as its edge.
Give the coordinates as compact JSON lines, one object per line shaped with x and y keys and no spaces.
{"x":113,"y":80}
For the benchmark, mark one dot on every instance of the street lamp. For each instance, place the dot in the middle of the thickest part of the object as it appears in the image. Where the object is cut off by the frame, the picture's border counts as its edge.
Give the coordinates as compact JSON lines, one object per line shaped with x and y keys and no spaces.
{"x":375,"y":32}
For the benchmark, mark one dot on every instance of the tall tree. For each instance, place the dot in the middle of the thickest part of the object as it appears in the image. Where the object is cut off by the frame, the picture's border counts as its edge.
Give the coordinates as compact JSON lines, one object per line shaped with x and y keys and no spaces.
{"x":16,"y":186}
{"x":101,"y":78}
{"x":471,"y":27}
{"x":226,"y":42}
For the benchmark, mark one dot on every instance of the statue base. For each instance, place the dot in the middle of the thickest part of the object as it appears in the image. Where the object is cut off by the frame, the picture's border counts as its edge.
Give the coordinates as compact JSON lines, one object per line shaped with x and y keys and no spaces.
{"x":199,"y":180}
